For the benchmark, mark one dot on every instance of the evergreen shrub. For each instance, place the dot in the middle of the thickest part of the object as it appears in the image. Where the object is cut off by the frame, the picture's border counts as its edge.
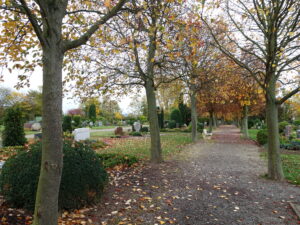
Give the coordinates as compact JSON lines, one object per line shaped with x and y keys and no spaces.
{"x":172,"y":124}
{"x":82,"y":182}
{"x":13,"y":133}
{"x":67,"y":124}
{"x":262,"y":137}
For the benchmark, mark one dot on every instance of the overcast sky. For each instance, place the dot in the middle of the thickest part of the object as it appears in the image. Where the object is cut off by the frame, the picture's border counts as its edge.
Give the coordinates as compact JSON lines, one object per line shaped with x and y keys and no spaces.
{"x":11,"y":79}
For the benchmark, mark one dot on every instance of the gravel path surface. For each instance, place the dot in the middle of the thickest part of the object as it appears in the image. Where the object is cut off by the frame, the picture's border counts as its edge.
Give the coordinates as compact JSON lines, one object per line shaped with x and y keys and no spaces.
{"x":216,"y":182}
{"x":223,"y":185}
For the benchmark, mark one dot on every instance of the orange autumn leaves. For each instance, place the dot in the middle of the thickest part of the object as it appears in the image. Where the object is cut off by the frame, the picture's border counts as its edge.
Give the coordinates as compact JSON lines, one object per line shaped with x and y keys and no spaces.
{"x":229,"y":92}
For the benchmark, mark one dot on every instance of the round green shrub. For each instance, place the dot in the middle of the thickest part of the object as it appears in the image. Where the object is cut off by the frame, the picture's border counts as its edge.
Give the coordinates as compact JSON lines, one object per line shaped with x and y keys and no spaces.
{"x":262,"y":137}
{"x":13,"y":133}
{"x":82,"y":182}
{"x":172,"y":124}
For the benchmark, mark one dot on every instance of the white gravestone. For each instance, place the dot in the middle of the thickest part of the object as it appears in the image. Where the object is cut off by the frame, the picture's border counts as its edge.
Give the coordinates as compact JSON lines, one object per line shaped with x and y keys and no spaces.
{"x":137,"y":126}
{"x":36,"y":126}
{"x":81,"y":134}
{"x":205,"y":133}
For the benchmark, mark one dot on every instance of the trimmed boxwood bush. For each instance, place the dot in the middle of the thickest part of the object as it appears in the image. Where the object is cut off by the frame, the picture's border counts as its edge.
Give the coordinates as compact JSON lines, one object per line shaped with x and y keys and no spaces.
{"x":82,"y":183}
{"x":262,"y":137}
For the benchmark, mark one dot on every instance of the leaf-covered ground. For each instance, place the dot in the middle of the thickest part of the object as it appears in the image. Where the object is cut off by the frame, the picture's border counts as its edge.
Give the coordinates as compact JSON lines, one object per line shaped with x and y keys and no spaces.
{"x":216,"y":181}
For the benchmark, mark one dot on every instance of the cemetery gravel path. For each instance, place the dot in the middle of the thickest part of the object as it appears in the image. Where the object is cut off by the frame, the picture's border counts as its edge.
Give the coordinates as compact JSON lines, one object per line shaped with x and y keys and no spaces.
{"x":224,"y":185}
{"x":216,"y":181}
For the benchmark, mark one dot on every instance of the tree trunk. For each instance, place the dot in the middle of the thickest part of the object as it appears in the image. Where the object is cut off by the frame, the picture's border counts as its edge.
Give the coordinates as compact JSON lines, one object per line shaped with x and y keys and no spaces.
{"x":214,"y":120}
{"x":238,"y":123}
{"x":275,"y":171}
{"x":210,"y":122}
{"x":46,"y":206}
{"x":194,"y":117}
{"x":245,"y":122}
{"x":155,"y":149}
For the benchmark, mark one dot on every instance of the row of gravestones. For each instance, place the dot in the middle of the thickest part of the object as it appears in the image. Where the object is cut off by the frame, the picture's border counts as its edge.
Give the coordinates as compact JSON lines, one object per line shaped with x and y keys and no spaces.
{"x":98,"y":123}
{"x":84,"y":133}
{"x":81,"y":134}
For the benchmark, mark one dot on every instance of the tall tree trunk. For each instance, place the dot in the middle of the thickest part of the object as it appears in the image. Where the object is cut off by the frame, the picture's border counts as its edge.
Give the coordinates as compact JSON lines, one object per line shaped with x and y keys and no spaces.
{"x":245,"y":122}
{"x":214,"y":120}
{"x":155,"y":149}
{"x":275,"y":171}
{"x":194,"y":116}
{"x":46,"y":207}
{"x":210,"y":123}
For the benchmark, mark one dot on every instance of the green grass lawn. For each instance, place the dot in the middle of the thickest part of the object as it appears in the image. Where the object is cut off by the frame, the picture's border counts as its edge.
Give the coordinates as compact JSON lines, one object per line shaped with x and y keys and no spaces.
{"x":31,"y":132}
{"x":100,"y":134}
{"x":290,"y":165}
{"x":253,"y":133}
{"x":139,"y":147}
{"x":103,"y":127}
